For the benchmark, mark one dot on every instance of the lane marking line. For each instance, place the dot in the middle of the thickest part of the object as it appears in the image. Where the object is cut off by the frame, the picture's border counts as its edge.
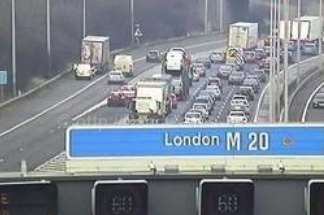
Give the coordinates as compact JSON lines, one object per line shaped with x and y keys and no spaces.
{"x":36,"y":116}
{"x":309,"y":101}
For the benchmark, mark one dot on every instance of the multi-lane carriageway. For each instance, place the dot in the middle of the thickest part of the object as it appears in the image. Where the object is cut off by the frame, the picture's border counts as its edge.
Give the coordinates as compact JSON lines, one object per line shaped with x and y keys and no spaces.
{"x":32,"y":128}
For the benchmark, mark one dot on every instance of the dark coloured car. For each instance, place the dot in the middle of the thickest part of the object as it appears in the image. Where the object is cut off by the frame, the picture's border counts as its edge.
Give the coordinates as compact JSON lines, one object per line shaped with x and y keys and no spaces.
{"x":153,"y":56}
{"x":224,"y":71}
{"x":260,"y":54}
{"x":247,"y":91}
{"x":260,"y":74}
{"x":318,"y":100}
{"x":217,"y":57}
{"x":236,"y":78}
{"x":252,"y":83}
{"x":250,"y":56}
{"x":205,"y":61}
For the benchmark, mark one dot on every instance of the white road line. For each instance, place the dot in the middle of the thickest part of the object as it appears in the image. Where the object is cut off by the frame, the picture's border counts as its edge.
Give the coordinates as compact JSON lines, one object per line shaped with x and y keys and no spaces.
{"x":81,"y":91}
{"x":51,"y":108}
{"x":256,"y":116}
{"x":309,"y":101}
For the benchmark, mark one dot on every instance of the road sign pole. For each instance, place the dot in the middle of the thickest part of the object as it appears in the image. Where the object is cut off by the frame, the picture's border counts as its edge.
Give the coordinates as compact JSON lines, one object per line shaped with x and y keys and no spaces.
{"x":13,"y":46}
{"x":84,"y":9}
{"x":298,"y":41}
{"x":271,"y":64}
{"x":278,"y":82}
{"x":48,"y":37}
{"x":321,"y":36}
{"x":286,"y":96}
{"x":221,"y":16}
{"x":206,"y":16}
{"x":131,"y":9}
{"x":2,"y":93}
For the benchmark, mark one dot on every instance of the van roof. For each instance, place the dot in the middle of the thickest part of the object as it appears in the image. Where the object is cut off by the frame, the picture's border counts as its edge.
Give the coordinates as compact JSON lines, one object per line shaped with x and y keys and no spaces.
{"x":96,"y":38}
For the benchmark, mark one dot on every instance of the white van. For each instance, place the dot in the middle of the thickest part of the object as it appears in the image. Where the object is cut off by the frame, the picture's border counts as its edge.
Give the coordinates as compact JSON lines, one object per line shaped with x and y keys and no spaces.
{"x":125,"y":64}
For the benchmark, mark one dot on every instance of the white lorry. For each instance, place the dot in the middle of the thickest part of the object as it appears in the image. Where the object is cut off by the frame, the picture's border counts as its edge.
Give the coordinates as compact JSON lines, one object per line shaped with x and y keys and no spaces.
{"x":152,"y":102}
{"x":243,"y":35}
{"x":310,"y":28}
{"x":95,"y":52}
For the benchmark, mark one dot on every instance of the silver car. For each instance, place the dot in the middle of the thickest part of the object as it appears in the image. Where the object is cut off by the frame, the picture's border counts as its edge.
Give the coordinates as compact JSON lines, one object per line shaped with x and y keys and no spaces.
{"x":224,"y":71}
{"x":193,"y":117}
{"x":237,"y":117}
{"x":116,"y":76}
{"x":236,"y":78}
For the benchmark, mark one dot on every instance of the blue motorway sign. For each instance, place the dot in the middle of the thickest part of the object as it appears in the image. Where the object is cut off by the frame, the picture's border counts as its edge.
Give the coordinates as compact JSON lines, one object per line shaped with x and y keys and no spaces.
{"x":3,"y":78}
{"x":195,"y":141}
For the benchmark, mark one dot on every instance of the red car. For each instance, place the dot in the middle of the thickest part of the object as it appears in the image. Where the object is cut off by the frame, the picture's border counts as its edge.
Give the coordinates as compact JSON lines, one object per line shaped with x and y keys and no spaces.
{"x":116,"y":99}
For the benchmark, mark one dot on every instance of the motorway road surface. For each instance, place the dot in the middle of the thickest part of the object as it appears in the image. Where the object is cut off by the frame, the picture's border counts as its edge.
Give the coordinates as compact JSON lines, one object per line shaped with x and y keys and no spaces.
{"x":301,"y":103}
{"x":33,"y":128}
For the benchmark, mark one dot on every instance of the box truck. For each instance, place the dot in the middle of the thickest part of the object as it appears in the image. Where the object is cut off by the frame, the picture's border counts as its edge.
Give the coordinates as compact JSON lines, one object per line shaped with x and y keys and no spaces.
{"x":243,"y":35}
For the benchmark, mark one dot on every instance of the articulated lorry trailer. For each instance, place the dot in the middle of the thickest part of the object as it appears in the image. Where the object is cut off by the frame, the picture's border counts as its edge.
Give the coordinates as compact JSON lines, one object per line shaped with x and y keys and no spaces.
{"x":95,"y":57}
{"x":176,"y":62}
{"x":243,"y":35}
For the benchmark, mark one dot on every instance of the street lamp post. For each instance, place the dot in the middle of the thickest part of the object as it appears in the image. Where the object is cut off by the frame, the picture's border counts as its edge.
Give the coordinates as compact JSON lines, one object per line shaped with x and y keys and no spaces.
{"x":48,"y":36}
{"x":84,"y":18}
{"x":271,"y":65}
{"x":298,"y":40}
{"x":221,"y":16}
{"x":206,"y":16}
{"x":321,"y":36}
{"x":131,"y":3}
{"x":13,"y":46}
{"x":286,"y":17}
{"x":278,"y":83}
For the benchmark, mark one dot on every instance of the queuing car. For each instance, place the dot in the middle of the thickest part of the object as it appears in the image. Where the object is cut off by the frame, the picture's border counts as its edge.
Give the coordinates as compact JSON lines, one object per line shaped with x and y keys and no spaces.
{"x":116,"y":99}
{"x":247,"y":91}
{"x":245,"y":109}
{"x":195,"y":75}
{"x":177,"y":86}
{"x":260,"y":73}
{"x":236,"y":78}
{"x":250,"y":56}
{"x":205,"y":61}
{"x":193,"y":117}
{"x":318,"y":100}
{"x":154,"y":56}
{"x":116,"y":77}
{"x":215,"y":81}
{"x":253,"y":83}
{"x":239,"y":99}
{"x":260,"y":54}
{"x":224,"y":71}
{"x":202,"y":108}
{"x":215,"y":92}
{"x":205,"y":100}
{"x":217,"y":57}
{"x":209,"y":93}
{"x":201,"y":71}
{"x":237,"y":117}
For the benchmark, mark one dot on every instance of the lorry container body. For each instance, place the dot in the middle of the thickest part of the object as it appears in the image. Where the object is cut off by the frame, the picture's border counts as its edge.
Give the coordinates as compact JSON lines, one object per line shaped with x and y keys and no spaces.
{"x":283,"y":29}
{"x":152,"y":101}
{"x":177,"y":64}
{"x":310,"y":28}
{"x":243,"y":35}
{"x":95,"y":50}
